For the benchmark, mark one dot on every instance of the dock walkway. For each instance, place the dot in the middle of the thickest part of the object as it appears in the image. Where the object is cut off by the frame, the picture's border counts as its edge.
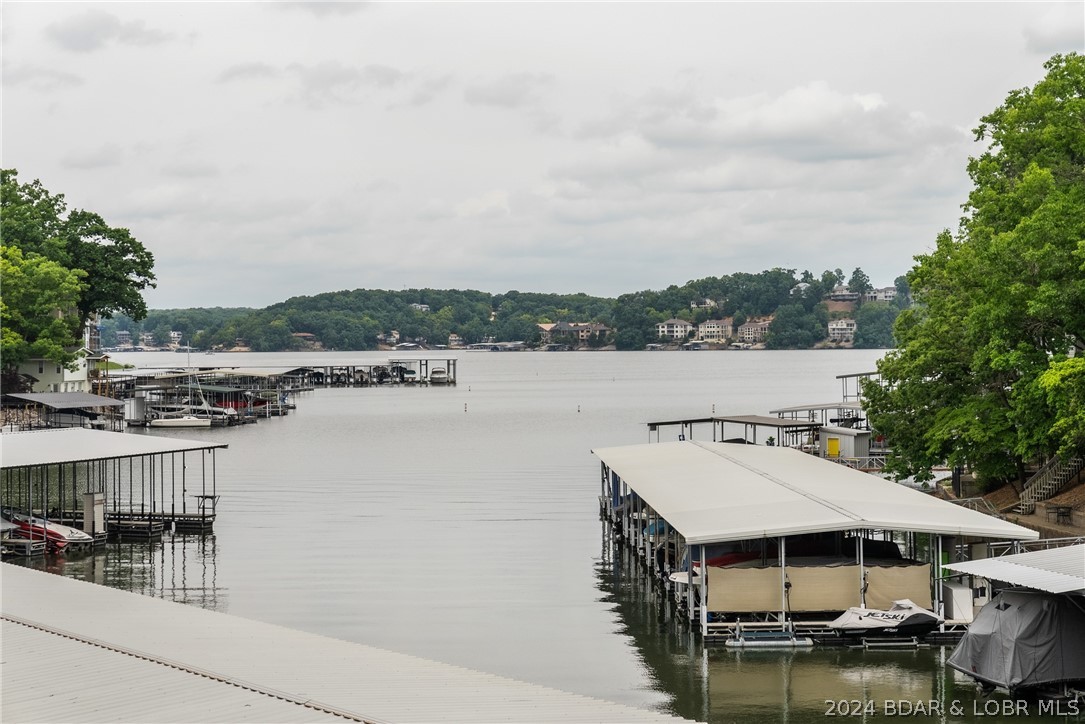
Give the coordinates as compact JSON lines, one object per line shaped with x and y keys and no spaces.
{"x":79,"y":652}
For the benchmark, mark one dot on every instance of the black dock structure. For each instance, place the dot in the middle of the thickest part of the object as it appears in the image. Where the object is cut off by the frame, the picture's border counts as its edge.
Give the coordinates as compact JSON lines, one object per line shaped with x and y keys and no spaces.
{"x":110,"y":484}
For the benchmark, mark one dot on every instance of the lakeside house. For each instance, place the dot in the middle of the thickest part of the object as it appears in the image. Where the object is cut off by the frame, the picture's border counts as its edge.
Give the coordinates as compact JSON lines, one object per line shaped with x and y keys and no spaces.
{"x":716,"y":330}
{"x":754,"y":331}
{"x":842,"y":330}
{"x":674,"y":329}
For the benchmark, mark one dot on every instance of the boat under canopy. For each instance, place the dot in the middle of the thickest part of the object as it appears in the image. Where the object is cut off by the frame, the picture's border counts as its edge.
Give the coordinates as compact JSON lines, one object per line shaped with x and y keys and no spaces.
{"x":812,"y":526}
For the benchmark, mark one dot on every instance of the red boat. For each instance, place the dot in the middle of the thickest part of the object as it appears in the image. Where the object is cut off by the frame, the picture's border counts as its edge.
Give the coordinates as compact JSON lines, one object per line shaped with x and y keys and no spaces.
{"x":56,"y":536}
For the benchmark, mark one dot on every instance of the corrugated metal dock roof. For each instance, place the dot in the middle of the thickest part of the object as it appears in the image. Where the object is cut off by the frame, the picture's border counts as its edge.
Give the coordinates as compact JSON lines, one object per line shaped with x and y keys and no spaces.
{"x":79,"y":652}
{"x":1055,"y":570}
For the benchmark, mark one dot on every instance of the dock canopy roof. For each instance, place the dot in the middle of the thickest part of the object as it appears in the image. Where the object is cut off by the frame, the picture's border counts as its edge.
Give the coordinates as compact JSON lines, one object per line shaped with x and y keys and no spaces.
{"x":77,"y":444}
{"x":1055,"y":570}
{"x":716,"y":492}
{"x":66,"y":400}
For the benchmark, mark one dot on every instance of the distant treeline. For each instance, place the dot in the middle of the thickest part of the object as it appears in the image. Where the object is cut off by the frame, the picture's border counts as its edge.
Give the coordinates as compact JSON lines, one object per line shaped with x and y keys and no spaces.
{"x":359,"y":319}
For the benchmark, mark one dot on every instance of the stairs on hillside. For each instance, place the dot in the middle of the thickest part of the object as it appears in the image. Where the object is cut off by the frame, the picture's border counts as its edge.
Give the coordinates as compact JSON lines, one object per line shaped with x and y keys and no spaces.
{"x":1047,"y":482}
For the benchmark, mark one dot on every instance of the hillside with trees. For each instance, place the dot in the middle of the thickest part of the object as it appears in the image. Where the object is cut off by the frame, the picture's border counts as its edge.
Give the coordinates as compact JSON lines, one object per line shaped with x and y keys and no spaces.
{"x":363,"y":319}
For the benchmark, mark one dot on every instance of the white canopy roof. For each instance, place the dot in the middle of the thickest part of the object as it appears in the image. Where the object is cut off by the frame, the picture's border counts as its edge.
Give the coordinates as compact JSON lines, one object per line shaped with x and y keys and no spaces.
{"x":77,"y":444}
{"x":713,"y":492}
{"x":1055,"y":570}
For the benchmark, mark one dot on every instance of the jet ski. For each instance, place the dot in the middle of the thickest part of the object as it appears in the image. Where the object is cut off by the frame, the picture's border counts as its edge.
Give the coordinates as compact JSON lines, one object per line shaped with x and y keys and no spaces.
{"x":903,"y":618}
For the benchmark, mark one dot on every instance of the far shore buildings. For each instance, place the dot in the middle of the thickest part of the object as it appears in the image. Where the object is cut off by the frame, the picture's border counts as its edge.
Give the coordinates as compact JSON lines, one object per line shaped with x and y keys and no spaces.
{"x":885,"y":294}
{"x":842,"y":330}
{"x":753,"y":331}
{"x":674,"y":329}
{"x":716,"y":330}
{"x":572,"y":332}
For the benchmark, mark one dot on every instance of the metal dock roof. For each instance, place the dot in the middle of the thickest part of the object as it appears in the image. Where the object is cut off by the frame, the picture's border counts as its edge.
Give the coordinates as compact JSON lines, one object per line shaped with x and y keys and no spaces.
{"x":66,"y":400}
{"x":77,"y":444}
{"x":76,"y":651}
{"x":716,"y":492}
{"x":1055,"y":570}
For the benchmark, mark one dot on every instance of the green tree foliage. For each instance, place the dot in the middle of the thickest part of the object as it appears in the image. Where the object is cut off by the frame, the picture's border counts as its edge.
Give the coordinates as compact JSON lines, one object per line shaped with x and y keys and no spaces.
{"x":60,"y":270}
{"x":117,"y":266}
{"x":36,"y":294}
{"x":795,"y":328}
{"x":874,"y":325}
{"x":983,"y":375}
{"x":859,"y":283}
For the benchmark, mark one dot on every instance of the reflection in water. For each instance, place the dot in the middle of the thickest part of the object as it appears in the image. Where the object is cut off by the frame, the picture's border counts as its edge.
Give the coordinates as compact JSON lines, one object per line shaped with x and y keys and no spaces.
{"x":716,"y":684}
{"x":178,"y":568}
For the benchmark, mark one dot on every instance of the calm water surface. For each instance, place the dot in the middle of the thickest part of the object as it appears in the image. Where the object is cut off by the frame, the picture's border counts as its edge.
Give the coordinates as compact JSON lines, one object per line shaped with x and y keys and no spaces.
{"x":461,"y":524}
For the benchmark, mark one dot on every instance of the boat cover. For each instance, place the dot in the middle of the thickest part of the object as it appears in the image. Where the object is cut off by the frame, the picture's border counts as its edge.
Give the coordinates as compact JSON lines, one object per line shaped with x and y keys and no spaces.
{"x":1024,"y":639}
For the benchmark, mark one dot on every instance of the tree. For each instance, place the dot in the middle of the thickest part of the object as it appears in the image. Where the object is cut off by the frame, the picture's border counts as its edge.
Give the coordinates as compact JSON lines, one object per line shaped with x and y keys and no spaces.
{"x":117,"y":267}
{"x":983,"y":375}
{"x":795,"y":328}
{"x":36,"y":294}
{"x":874,"y":325}
{"x":859,"y":283}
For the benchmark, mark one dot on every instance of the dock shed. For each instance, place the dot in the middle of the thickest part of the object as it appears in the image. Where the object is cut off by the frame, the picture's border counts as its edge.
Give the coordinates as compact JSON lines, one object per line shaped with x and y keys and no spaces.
{"x":784,"y":536}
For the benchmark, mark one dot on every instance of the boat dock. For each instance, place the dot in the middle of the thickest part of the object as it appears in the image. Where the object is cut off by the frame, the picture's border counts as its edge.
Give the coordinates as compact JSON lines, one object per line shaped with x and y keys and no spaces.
{"x":107,"y":484}
{"x":75,"y":650}
{"x":766,"y":538}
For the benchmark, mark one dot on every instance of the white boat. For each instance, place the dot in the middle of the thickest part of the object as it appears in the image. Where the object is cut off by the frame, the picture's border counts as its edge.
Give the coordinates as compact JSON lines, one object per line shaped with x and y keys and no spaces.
{"x":181,"y":421}
{"x":56,"y":536}
{"x":903,"y":618}
{"x":439,"y":376}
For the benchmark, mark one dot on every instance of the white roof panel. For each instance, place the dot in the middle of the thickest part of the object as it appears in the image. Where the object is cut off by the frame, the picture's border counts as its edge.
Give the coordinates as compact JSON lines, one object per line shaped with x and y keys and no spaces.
{"x":77,"y":444}
{"x":211,"y":667}
{"x":714,"y":492}
{"x":1055,"y":570}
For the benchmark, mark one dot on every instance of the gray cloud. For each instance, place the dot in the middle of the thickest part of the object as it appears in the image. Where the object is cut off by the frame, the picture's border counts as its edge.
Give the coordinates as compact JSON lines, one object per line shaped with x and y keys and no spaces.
{"x":1059,"y":30}
{"x":510,"y":91}
{"x":104,"y":156}
{"x":191,"y":170}
{"x":328,"y":82}
{"x":248,"y":71}
{"x":335,"y":8}
{"x":38,"y":78}
{"x":381,"y":75}
{"x":425,"y":91}
{"x":95,"y":29}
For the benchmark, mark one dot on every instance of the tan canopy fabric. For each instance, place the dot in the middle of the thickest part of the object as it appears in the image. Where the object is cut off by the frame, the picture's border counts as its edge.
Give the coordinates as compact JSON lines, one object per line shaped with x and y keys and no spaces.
{"x":815,"y":588}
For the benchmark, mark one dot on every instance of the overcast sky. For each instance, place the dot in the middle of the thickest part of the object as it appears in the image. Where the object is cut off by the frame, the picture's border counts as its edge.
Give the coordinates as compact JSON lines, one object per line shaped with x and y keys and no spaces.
{"x":267,"y":150}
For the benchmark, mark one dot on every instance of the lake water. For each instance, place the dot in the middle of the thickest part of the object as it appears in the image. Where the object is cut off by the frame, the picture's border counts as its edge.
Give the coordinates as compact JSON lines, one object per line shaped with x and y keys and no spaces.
{"x":461,"y":524}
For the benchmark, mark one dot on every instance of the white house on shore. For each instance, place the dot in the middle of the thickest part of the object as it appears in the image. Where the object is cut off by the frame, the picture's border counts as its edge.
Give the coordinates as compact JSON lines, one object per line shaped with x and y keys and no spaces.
{"x":674,"y":329}
{"x":842,"y":330}
{"x":716,"y":330}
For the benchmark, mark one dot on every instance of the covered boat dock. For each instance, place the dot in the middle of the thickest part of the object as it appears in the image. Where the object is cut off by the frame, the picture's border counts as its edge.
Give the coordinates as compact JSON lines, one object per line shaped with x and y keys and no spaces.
{"x":783,"y":431}
{"x":113,"y":482}
{"x":32,"y":410}
{"x":788,"y":538}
